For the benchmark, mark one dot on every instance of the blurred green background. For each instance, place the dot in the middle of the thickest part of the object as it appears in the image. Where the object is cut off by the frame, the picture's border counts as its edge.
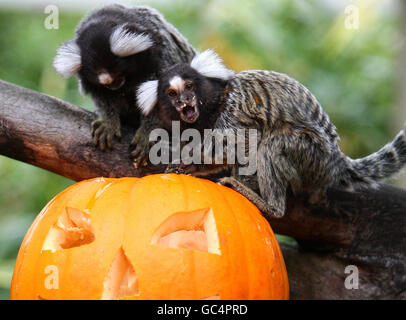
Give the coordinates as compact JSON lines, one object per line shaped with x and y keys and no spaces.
{"x":356,"y":74}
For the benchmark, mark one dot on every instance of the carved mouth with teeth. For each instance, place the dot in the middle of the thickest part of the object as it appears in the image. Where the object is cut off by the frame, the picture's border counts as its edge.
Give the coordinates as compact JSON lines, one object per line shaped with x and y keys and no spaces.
{"x":188,"y":112}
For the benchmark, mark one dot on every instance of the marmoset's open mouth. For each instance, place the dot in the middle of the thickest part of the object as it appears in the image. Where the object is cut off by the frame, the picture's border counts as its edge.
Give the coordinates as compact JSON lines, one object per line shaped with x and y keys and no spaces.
{"x":189,"y":113}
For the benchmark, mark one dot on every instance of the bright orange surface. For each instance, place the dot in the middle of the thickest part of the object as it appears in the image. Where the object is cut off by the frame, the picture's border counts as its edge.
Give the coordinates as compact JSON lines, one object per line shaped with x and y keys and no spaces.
{"x":140,"y":246}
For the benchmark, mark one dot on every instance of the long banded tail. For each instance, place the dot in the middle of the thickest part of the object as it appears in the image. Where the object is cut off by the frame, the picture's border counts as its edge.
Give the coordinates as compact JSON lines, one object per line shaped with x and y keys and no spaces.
{"x":384,"y":163}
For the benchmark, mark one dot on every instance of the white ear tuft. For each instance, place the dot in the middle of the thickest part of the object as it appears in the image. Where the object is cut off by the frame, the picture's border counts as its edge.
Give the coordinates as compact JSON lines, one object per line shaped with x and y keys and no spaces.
{"x":124,"y":43}
{"x":209,"y":64}
{"x":147,"y":96}
{"x":68,"y":61}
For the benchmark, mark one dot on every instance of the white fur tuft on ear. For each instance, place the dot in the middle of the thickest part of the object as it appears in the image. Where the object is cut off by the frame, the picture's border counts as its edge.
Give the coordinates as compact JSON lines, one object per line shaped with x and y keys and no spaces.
{"x":124,"y":43}
{"x":209,"y":64}
{"x":68,"y":61}
{"x":147,"y":96}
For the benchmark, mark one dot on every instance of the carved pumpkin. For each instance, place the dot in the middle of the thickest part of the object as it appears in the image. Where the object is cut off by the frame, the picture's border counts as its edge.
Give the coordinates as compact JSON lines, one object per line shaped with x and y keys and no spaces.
{"x":158,"y":237}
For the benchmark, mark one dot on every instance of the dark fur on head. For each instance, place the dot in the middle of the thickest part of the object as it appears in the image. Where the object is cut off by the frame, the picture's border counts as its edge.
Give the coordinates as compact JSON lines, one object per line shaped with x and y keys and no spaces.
{"x":198,"y":97}
{"x":97,"y":57}
{"x":189,"y":93}
{"x":115,"y":49}
{"x":108,"y":75}
{"x":126,"y":72}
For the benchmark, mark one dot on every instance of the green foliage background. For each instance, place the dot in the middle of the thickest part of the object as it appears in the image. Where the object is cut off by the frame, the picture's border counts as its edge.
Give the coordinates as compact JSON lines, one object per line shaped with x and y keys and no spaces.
{"x":352,"y":72}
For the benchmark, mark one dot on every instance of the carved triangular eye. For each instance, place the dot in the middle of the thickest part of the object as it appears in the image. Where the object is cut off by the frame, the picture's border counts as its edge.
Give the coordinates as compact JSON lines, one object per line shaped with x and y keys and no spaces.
{"x":121,"y":281}
{"x":195,"y":230}
{"x":73,"y":229}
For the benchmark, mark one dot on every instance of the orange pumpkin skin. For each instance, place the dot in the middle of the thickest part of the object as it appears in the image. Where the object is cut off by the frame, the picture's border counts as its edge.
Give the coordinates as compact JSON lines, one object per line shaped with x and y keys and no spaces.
{"x":133,"y":238}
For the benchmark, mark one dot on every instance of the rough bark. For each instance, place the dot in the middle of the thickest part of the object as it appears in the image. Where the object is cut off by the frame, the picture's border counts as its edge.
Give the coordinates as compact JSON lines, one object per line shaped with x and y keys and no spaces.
{"x":337,"y":229}
{"x":322,"y":275}
{"x":55,"y":135}
{"x":334,"y":229}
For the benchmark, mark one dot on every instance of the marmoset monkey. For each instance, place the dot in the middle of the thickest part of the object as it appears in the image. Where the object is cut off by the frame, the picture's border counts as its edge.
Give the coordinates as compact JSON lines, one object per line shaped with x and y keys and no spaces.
{"x":297,"y":145}
{"x":115,"y":49}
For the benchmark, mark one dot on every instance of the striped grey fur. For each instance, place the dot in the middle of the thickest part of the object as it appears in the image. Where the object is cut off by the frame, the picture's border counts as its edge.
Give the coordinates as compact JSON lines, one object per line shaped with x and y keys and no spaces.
{"x":298,"y":145}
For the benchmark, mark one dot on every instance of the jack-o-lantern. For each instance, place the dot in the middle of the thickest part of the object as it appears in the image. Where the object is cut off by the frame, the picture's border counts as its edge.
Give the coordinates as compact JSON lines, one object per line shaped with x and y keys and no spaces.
{"x":158,"y":237}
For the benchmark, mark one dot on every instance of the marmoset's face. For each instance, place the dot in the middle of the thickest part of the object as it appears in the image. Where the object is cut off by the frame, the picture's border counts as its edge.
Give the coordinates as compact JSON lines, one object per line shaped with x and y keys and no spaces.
{"x":184,"y":93}
{"x":181,"y":94}
{"x":108,"y":74}
{"x":107,"y":58}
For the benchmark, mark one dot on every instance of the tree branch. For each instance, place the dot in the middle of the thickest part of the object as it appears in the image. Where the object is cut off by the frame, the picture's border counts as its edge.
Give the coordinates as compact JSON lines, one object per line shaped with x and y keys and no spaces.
{"x":321,"y":275}
{"x":55,"y":135}
{"x":334,"y":228}
{"x":365,"y":221}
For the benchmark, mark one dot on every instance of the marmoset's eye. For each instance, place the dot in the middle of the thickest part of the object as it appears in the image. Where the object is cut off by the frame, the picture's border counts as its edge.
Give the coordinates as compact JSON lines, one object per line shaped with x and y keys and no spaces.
{"x":172,"y":93}
{"x":189,"y":86}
